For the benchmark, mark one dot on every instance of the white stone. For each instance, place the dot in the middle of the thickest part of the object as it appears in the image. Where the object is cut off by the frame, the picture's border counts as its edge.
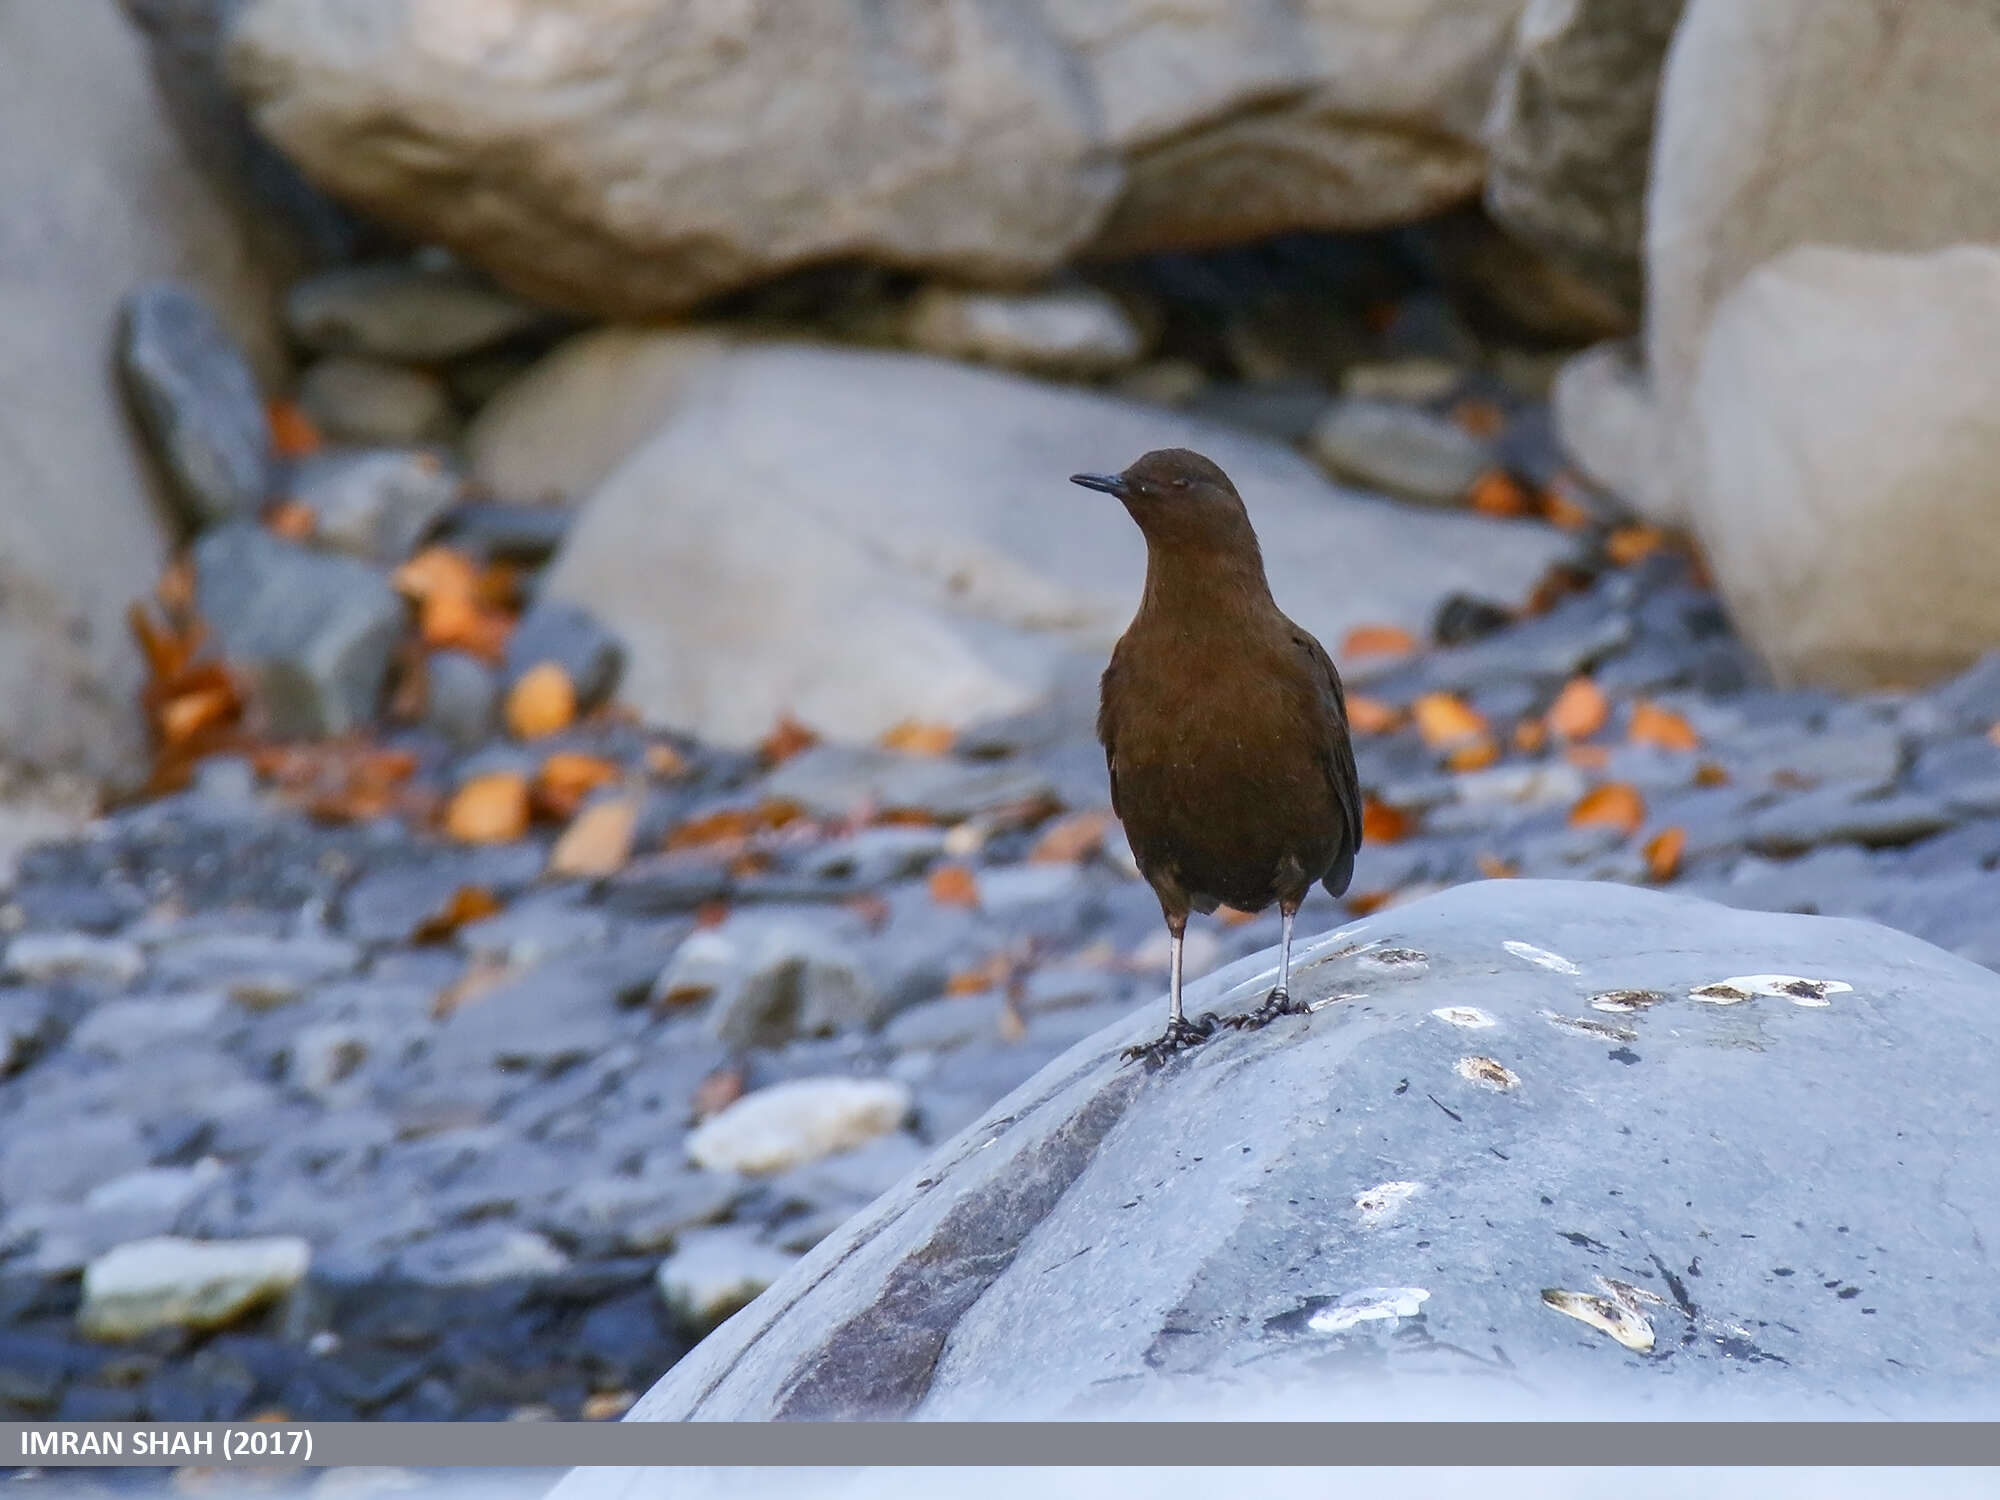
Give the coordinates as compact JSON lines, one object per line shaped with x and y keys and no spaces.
{"x":176,"y":1283}
{"x":1068,"y":331}
{"x":798,"y":1121}
{"x":713,"y":1272}
{"x":1612,"y":428}
{"x":43,"y":956}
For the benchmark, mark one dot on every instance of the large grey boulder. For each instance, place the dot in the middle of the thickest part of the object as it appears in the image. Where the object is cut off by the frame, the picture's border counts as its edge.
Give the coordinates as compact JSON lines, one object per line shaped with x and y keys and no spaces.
{"x":100,"y":198}
{"x":858,"y":539}
{"x":626,"y":159}
{"x":1541,"y":1147}
{"x":1844,"y":433}
{"x":1570,"y":134}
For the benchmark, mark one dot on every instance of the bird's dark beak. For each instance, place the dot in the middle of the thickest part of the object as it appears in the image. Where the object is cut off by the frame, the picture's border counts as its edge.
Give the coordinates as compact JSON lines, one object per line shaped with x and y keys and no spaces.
{"x":1111,"y":484}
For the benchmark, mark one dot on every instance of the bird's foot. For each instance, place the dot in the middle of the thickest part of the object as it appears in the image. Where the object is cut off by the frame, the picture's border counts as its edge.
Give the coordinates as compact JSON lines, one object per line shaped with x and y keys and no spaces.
{"x":1180,"y":1035}
{"x":1277,"y":1003}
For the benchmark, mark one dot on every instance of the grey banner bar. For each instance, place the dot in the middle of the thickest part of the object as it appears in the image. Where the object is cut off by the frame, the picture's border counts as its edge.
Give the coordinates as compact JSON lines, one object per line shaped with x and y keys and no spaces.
{"x":843,"y":1444}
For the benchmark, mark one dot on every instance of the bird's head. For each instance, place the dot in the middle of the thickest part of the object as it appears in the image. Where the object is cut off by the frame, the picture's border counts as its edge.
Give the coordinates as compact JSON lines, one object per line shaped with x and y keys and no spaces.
{"x":1179,"y":498}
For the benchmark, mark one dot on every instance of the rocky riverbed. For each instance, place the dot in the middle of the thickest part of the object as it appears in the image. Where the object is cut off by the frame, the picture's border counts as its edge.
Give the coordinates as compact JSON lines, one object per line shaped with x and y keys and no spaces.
{"x":465,"y":1138}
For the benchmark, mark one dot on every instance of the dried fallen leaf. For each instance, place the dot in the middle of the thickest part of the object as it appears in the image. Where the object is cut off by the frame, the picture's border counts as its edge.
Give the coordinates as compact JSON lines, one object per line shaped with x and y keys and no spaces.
{"x":188,"y":713}
{"x":481,"y":977}
{"x":1561,"y":511}
{"x":1475,"y":755}
{"x":437,"y":570}
{"x":599,"y":842}
{"x":716,"y":1092}
{"x":1445,"y":720}
{"x":1367,"y":715}
{"x":293,"y":433}
{"x":913,"y":738}
{"x":1530,"y":735}
{"x":1588,"y":757}
{"x":468,"y":904}
{"x":1480,"y":417}
{"x":1708,"y":773}
{"x":990,"y":975}
{"x":954,"y":885}
{"x":1229,"y":916}
{"x":1661,"y":728}
{"x":664,"y":761}
{"x":1580,"y":710}
{"x":1630,"y":544}
{"x":1383,"y":824}
{"x":711,"y":914}
{"x":567,"y":778}
{"x":1663,"y":853}
{"x":788,"y":737}
{"x":1993,"y":734}
{"x":339,"y":780}
{"x":1498,"y":493}
{"x":489,"y":809}
{"x":1613,"y":805}
{"x":541,"y":703}
{"x":1377,"y":640}
{"x":1367,"y":903}
{"x":1070,"y":839}
{"x":293,"y":520}
{"x":1493,"y":867}
{"x":453,"y":620}
{"x":731,"y":825}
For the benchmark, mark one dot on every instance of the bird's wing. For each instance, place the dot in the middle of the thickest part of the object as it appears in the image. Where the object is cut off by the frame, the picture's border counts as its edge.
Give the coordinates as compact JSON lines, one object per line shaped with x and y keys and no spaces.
{"x":1107,"y":689}
{"x":1336,"y":757}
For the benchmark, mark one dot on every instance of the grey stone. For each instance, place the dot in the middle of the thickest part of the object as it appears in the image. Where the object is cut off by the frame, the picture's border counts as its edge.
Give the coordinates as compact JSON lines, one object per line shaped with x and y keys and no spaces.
{"x":258,"y":971}
{"x":569,"y":636}
{"x":42,"y":956}
{"x":535,"y":929}
{"x":1284,"y":410}
{"x":1551,"y":647}
{"x":404,"y":312}
{"x":517,"y":533}
{"x":716,"y":1271}
{"x":376,"y":503}
{"x":643,"y":1215}
{"x":876,"y":856}
{"x":1076,"y":331}
{"x":461,"y":698}
{"x":386,"y":905}
{"x":315,"y":630}
{"x":356,"y":400}
{"x":549,"y":1019}
{"x":833,"y":781}
{"x":941,"y":1024}
{"x":197,"y":399}
{"x":144,"y":1025}
{"x":1971,"y":700}
{"x":480,"y":1256}
{"x":772,"y":978}
{"x":324,"y":1056}
{"x":93,"y":1150}
{"x":1870,"y":755}
{"x":1117,"y":1203}
{"x":27,"y":1020}
{"x":1403,"y":450}
{"x":1845,"y":814}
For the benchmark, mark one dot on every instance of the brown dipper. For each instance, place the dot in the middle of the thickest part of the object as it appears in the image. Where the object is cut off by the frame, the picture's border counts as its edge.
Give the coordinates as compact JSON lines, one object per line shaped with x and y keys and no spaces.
{"x":1224,"y":726}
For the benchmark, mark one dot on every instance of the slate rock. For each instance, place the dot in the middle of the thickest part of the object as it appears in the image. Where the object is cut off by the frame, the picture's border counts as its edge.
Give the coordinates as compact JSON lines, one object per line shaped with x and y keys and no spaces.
{"x":767,"y":979}
{"x":198,"y":401}
{"x":569,"y":636}
{"x":1357,"y":1205}
{"x":832,"y":781}
{"x":44,"y":956}
{"x":461,"y":698}
{"x":404,"y":312}
{"x":373,"y":503}
{"x":27,"y":1024}
{"x":1402,"y":450}
{"x":716,"y":1271}
{"x":1835,"y":814}
{"x":316,"y":630}
{"x":354,"y":400}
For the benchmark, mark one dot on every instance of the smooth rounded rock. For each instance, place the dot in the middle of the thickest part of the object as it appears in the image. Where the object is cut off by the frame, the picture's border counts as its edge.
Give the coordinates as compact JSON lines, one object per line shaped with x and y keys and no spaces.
{"x":798,"y":1121}
{"x":177,"y":1283}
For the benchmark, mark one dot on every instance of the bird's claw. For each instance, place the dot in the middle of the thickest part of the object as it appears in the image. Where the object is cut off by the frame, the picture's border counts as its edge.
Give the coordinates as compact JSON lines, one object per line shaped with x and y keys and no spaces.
{"x":1277,"y":1003}
{"x":1180,"y":1035}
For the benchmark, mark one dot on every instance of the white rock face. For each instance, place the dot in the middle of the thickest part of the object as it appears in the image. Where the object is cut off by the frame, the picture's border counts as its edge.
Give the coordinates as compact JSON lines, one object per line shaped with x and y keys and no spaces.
{"x":100,"y":198}
{"x":1845,"y":427}
{"x":176,"y":1283}
{"x":925,"y":506}
{"x":625,"y":156}
{"x":796,"y":1122}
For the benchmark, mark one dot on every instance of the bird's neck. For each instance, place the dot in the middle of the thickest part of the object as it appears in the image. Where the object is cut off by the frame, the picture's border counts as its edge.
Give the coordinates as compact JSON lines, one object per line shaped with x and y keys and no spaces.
{"x":1191,"y":584}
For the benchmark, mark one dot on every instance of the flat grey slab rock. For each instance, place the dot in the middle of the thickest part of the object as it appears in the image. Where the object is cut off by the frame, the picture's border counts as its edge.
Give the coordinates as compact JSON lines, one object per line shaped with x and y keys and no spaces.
{"x":1752,"y":1201}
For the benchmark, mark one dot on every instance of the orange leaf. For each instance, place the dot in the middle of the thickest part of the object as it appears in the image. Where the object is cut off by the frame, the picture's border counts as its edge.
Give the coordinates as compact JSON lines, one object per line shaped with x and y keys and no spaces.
{"x":437,"y":570}
{"x":1993,"y":734}
{"x":1383,"y":824}
{"x":453,"y":619}
{"x":175,"y":590}
{"x":1474,"y":755}
{"x":711,"y":914}
{"x":1708,"y":773}
{"x":1613,"y":805}
{"x":1070,"y":839}
{"x":1481,"y":418}
{"x":1663,"y":853}
{"x":954,"y":885}
{"x":788,"y":737}
{"x":188,"y":714}
{"x":599,"y":842}
{"x":1493,"y":867}
{"x":1444,"y":720}
{"x":1498,"y":493}
{"x":1530,"y":735}
{"x":1367,"y":903}
{"x":567,"y":778}
{"x":490,"y":809}
{"x":165,"y":652}
{"x":1630,"y":544}
{"x":1588,"y":757}
{"x":1561,"y":511}
{"x":1580,"y":710}
{"x":1231,"y":917}
{"x":1661,"y":727}
{"x":1372,"y":716}
{"x":542,"y":703}
{"x":292,"y":431}
{"x":1377,"y":640}
{"x":468,"y":904}
{"x":664,"y":760}
{"x":497,"y":586}
{"x":293,"y":520}
{"x":730,"y":824}
{"x":913,"y":738}
{"x":995,"y":972}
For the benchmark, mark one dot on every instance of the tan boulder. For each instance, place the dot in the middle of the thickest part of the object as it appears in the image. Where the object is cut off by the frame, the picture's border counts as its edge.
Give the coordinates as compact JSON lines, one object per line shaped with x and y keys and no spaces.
{"x":1844,"y":439}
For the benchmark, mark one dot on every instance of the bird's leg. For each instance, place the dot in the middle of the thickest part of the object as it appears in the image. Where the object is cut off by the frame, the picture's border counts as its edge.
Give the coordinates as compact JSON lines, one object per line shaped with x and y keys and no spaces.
{"x":1279,"y":1002}
{"x":1180,"y":1032}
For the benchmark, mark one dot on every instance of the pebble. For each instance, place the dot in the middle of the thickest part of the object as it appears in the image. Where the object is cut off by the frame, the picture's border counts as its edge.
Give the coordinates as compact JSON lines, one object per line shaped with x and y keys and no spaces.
{"x":404,"y":312}
{"x":315,"y":629}
{"x":775,"y":979}
{"x":590,"y":656}
{"x":481,"y":1256}
{"x":135,"y":1028}
{"x":198,"y":403}
{"x":714,"y":1272}
{"x":799,"y":1121}
{"x":1838,"y":814}
{"x":44,"y":956}
{"x":1074,"y":331}
{"x":376,"y":504}
{"x":461,"y":699}
{"x":176,"y":1283}
{"x":354,"y":400}
{"x":1402,"y":450}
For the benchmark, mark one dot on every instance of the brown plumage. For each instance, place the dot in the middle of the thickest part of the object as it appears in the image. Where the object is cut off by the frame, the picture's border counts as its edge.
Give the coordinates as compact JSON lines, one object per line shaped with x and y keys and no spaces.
{"x":1223,"y":724}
